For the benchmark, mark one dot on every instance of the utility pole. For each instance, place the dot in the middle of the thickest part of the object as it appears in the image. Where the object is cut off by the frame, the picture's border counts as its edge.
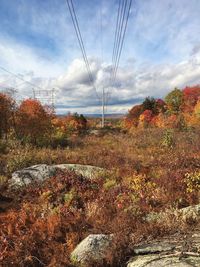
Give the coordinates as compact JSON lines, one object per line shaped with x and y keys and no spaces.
{"x":53,"y":98}
{"x":103,"y":108}
{"x":34,"y":93}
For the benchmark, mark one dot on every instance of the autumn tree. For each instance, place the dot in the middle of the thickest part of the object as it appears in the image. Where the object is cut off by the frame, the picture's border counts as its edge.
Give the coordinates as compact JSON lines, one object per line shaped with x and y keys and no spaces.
{"x":160,"y":106}
{"x":149,"y":104}
{"x":132,"y":118}
{"x":174,"y":101}
{"x":145,"y":118}
{"x":7,"y":109}
{"x":193,"y":119}
{"x":33,"y":121}
{"x":75,"y":123}
{"x":159,"y":120}
{"x":191,"y":96}
{"x":66,"y":126}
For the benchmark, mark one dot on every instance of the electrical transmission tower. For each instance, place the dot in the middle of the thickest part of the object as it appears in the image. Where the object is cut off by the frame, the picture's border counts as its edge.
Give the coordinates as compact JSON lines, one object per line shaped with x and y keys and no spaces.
{"x":46,"y":97}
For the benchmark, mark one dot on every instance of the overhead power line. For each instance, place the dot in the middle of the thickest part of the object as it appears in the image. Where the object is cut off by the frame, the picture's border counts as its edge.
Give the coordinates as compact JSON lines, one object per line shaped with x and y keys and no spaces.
{"x":119,"y":37}
{"x":103,"y":90}
{"x":116,"y":32}
{"x":120,"y":31}
{"x":20,"y":78}
{"x":44,"y":96}
{"x":123,"y":37}
{"x":81,"y":44}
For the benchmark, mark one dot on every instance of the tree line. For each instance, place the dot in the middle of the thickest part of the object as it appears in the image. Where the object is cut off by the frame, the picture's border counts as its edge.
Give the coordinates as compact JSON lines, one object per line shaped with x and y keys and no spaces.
{"x":32,"y":122}
{"x":179,"y":109}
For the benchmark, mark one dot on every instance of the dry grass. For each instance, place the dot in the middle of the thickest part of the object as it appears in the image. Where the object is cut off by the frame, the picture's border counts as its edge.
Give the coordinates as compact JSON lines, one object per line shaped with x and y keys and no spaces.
{"x":148,"y":175}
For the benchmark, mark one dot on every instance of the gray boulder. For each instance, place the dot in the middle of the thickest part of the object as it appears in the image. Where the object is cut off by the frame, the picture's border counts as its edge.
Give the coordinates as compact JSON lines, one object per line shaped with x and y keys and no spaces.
{"x":188,"y":213}
{"x":31,"y":174}
{"x":163,"y":261}
{"x":93,"y":249}
{"x":88,"y":171}
{"x":41,"y":172}
{"x":178,"y":250}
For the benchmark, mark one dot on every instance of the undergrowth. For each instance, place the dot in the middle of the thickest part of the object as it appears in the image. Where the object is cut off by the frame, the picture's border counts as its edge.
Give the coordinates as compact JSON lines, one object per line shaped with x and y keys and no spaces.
{"x":149,"y":174}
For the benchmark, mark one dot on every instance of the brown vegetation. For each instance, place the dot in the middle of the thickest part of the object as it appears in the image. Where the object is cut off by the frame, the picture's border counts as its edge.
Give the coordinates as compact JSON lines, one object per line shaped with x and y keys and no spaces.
{"x":153,"y":170}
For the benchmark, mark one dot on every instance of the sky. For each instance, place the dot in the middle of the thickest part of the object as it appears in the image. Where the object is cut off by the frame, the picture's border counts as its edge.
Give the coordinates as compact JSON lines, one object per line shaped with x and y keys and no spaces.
{"x":38,"y":42}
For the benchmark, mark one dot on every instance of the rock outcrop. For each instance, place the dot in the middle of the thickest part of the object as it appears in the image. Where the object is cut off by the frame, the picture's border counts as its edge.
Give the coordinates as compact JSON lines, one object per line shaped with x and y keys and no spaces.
{"x":87,"y":171}
{"x":164,"y":261}
{"x":93,"y":249}
{"x":176,"y":251}
{"x":190,"y":212}
{"x":41,"y":172}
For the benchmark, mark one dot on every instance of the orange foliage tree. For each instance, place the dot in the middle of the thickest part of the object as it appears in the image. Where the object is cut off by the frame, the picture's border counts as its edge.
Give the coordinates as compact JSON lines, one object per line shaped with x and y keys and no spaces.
{"x":145,"y":118}
{"x":33,"y":121}
{"x":132,"y":119}
{"x":159,"y":120}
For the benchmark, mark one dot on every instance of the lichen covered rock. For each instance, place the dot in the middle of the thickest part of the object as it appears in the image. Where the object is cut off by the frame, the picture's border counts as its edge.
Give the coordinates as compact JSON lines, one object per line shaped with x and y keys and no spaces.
{"x":163,"y":261}
{"x":41,"y":172}
{"x":93,"y":249}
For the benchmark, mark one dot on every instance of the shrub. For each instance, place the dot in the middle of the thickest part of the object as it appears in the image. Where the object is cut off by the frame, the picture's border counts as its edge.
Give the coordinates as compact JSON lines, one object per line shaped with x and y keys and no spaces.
{"x":110,"y":183}
{"x":193,"y":181}
{"x":21,"y":159}
{"x":168,"y":139}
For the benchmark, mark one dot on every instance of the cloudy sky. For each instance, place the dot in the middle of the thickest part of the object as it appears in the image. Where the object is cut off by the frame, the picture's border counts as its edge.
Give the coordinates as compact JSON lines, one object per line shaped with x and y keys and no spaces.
{"x":38,"y":43}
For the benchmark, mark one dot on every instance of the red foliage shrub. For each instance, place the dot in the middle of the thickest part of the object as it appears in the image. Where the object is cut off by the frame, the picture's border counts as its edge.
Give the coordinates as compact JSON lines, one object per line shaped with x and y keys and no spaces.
{"x":191,"y":96}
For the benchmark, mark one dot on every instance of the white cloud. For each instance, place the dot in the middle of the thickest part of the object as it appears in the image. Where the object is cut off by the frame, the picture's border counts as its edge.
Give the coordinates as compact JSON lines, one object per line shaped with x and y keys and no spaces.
{"x":74,"y":92}
{"x":20,"y":58}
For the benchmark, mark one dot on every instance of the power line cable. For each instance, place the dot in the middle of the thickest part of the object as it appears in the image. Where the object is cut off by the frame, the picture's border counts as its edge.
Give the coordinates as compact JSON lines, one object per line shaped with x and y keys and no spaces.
{"x":119,"y":29}
{"x":84,"y":51}
{"x":103,"y":89}
{"x":116,"y":33}
{"x":122,"y":17}
{"x":123,"y":37}
{"x":121,"y":24}
{"x":80,"y":41}
{"x":20,"y":78}
{"x":117,"y":39}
